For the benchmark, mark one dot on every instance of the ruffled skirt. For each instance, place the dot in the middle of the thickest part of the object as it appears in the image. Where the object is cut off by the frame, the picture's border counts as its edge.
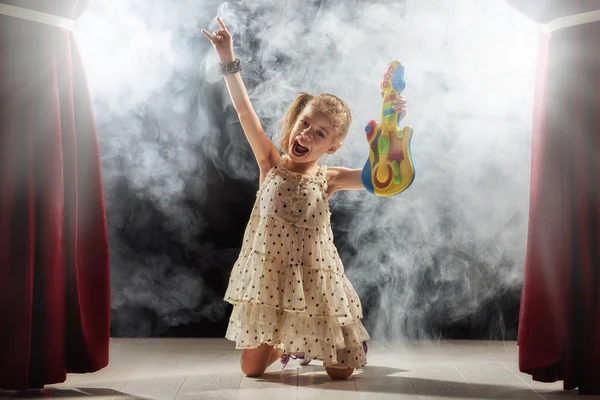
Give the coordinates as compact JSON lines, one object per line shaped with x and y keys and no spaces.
{"x":289,"y":290}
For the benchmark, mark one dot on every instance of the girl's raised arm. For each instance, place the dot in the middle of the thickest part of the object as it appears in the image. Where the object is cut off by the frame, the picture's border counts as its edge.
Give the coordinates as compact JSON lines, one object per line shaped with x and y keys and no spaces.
{"x":264,"y":150}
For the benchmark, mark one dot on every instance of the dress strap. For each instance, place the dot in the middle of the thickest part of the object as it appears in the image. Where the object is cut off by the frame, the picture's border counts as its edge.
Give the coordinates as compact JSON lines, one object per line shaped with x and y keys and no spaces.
{"x":322,"y":175}
{"x":282,"y":160}
{"x":322,"y":171}
{"x":278,"y":166}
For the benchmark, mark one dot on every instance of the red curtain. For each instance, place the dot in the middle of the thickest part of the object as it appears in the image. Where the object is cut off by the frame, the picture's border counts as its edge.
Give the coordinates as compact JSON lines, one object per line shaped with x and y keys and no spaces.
{"x":54,"y":270}
{"x":559,"y":328}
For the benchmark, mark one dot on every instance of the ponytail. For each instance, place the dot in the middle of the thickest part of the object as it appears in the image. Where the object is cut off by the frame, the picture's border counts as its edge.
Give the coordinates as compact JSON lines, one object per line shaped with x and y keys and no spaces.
{"x":290,"y":117}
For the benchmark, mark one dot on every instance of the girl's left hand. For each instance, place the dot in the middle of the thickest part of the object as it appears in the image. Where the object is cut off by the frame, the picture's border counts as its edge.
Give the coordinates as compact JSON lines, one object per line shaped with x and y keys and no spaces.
{"x":222,"y":42}
{"x":400,"y":106}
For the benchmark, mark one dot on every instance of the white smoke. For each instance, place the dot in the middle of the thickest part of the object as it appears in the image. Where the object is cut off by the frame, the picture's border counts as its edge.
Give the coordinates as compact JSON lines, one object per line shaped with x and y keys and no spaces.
{"x":450,"y":243}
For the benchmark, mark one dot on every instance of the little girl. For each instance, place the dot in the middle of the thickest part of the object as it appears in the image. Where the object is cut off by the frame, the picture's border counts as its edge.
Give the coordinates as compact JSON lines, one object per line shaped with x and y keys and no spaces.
{"x":288,"y":287}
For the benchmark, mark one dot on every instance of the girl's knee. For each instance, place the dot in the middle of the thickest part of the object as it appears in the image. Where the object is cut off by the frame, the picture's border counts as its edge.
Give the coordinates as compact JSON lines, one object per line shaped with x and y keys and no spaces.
{"x":252,"y":369}
{"x":254,"y":362}
{"x":339,"y":373}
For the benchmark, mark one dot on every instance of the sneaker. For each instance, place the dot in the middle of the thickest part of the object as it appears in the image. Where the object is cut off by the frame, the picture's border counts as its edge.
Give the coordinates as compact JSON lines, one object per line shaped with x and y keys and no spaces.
{"x":306,"y":361}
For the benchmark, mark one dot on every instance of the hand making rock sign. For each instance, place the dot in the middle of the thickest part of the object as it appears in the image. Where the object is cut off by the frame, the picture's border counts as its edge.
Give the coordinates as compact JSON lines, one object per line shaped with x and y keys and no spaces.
{"x":221,"y":40}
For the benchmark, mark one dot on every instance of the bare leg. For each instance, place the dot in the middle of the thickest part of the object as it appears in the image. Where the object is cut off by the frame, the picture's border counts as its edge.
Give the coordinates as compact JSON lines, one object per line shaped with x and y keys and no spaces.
{"x":254,"y":362}
{"x":275,"y":355}
{"x":339,"y":373}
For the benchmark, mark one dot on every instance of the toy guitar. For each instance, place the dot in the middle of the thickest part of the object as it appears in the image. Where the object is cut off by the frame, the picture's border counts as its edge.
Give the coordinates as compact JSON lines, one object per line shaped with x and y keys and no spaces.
{"x":389,"y":169}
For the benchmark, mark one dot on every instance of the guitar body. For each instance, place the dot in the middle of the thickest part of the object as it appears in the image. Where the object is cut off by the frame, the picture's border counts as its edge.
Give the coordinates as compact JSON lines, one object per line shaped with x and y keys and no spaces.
{"x":389,"y":169}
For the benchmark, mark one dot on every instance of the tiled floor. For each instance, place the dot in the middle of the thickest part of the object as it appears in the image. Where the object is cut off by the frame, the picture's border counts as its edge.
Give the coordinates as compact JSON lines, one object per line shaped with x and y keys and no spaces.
{"x":209,"y":369}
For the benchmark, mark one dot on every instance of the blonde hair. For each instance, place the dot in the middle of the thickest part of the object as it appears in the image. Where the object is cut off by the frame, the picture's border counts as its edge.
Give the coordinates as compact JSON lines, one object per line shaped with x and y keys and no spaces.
{"x":329,"y":105}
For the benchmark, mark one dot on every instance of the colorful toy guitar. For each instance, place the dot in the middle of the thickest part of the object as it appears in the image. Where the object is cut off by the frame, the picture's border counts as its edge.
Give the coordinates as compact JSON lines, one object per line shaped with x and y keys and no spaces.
{"x":389,"y":169}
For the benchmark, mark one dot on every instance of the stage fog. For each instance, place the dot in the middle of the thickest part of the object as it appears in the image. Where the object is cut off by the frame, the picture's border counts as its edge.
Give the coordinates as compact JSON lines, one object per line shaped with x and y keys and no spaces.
{"x":443,"y":259}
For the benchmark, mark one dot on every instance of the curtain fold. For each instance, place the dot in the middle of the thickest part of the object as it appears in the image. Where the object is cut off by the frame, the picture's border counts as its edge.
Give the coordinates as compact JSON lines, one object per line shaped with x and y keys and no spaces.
{"x":559,"y":327}
{"x":54,"y":260}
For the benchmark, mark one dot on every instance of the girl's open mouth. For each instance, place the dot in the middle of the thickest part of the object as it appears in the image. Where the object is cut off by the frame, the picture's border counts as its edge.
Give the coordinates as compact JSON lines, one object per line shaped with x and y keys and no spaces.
{"x":298,"y":149}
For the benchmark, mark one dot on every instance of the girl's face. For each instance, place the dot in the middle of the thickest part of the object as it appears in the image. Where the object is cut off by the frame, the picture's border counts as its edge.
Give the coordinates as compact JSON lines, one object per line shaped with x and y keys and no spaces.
{"x":312,"y":136}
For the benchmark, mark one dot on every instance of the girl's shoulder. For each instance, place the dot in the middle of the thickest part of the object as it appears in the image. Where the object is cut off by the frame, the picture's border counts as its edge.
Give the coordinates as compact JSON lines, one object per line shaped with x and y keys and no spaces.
{"x":343,"y":178}
{"x":332,"y":171}
{"x":332,"y":174}
{"x":267,"y":166}
{"x":275,"y":159}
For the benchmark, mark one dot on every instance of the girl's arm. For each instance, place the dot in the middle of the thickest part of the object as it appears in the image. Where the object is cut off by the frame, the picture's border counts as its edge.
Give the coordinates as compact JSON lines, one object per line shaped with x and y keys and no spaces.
{"x":265,"y":152}
{"x":340,"y":178}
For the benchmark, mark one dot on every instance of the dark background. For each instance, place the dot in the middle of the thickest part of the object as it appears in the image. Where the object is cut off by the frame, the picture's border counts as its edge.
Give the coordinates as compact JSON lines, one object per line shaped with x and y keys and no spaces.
{"x":443,"y":260}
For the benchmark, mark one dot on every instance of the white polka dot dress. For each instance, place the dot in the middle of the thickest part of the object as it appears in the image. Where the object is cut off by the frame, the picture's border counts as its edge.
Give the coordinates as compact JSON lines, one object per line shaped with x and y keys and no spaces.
{"x":288,"y":285}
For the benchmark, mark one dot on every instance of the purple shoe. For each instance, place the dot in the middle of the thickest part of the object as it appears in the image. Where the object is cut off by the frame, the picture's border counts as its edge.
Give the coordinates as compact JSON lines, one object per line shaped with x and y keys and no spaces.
{"x":365,"y":347}
{"x":285,"y":359}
